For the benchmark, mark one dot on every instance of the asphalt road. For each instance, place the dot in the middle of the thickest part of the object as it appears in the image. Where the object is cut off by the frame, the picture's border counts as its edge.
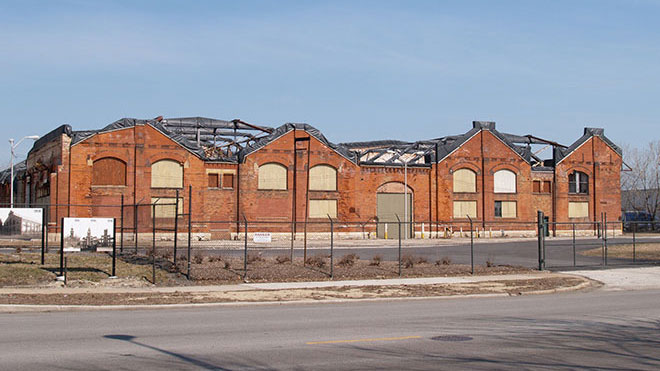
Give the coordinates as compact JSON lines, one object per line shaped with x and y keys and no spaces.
{"x":599,"y":329}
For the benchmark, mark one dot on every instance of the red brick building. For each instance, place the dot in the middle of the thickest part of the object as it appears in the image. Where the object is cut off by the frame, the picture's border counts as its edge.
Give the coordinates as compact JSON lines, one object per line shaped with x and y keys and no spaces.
{"x":293,"y":173}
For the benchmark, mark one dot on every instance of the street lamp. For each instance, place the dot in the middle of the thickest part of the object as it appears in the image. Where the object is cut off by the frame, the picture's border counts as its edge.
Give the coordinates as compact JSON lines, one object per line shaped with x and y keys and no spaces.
{"x":13,"y":146}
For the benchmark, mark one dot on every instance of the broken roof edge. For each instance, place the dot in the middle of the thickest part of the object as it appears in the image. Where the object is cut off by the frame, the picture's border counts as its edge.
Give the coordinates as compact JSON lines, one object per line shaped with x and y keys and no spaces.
{"x":588,"y":134}
{"x":50,"y":136}
{"x":282,"y":130}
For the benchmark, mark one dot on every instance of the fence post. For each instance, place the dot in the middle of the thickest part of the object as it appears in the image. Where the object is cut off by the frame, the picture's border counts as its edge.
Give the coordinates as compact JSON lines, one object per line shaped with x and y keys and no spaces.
{"x":573,"y":244}
{"x":399,"y":224}
{"x":135,"y":226}
{"x":292,"y":238}
{"x":634,"y":229}
{"x":605,"y":234}
{"x":332,"y":245}
{"x":189,"y":227}
{"x":114,"y":244}
{"x":176,"y":224}
{"x":245,"y":249}
{"x":121,"y":227}
{"x":539,"y":215}
{"x":153,"y":246}
{"x":44,"y":226}
{"x":471,"y":247}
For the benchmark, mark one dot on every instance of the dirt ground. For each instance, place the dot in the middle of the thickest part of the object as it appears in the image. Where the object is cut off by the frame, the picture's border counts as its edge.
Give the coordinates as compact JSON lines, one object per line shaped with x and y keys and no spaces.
{"x":643,"y":251}
{"x":510,"y":287}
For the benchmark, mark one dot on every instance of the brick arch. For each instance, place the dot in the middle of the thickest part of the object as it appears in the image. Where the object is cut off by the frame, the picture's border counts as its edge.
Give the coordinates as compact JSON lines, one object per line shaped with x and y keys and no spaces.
{"x":109,"y":171}
{"x":498,"y":167}
{"x":168,"y":156}
{"x":465,"y":165}
{"x":393,"y":187}
{"x":106,"y":154}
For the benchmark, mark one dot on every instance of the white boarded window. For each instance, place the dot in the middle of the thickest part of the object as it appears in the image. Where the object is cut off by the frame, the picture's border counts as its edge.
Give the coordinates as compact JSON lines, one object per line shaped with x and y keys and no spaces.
{"x":165,"y":206}
{"x":166,"y":174}
{"x":463,"y":208}
{"x":322,"y":208}
{"x":322,"y":178}
{"x":465,"y":180}
{"x":578,"y":209}
{"x":505,"y":181}
{"x":272,"y":176}
{"x":505,"y":209}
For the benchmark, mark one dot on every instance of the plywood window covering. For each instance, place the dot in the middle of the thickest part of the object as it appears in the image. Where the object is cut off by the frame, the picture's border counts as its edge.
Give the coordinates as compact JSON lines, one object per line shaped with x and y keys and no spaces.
{"x":272,"y":176}
{"x":465,"y":180}
{"x":228,"y":181}
{"x":506,"y":209}
{"x":536,"y":186}
{"x":322,"y":208}
{"x":214,"y":180}
{"x":542,"y":186}
{"x":166,"y":174}
{"x":463,"y":208}
{"x":322,"y":178}
{"x":109,"y":171}
{"x":578,"y":209}
{"x":166,"y":206}
{"x":547,"y":186}
{"x":505,"y":181}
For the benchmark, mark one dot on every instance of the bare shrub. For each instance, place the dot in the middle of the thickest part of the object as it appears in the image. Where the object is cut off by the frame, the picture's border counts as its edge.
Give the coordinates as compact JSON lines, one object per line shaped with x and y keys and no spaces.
{"x":198,"y":258}
{"x":348,"y":260}
{"x":213,"y":259}
{"x":19,"y":249}
{"x":408,"y":261}
{"x":281,"y":259}
{"x":253,"y":258}
{"x":315,"y":261}
{"x":421,"y":260}
{"x":167,"y":254}
{"x":490,"y":263}
{"x":444,"y":261}
{"x":227,"y":264}
{"x":375,"y":260}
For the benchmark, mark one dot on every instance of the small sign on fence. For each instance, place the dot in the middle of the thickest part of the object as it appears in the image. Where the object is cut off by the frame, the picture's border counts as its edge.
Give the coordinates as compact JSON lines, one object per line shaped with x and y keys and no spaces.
{"x":262,"y":237}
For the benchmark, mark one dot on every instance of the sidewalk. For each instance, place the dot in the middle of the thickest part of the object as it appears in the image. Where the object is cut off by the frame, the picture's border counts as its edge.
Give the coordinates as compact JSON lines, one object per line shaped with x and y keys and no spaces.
{"x":642,"y":278}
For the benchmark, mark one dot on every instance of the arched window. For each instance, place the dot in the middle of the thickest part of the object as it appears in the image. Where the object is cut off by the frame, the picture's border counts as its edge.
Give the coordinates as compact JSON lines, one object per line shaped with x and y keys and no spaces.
{"x":322,"y":178}
{"x":166,"y":174}
{"x":272,"y":176}
{"x":109,"y":171}
{"x":465,"y":180}
{"x":505,"y":181}
{"x":578,"y":182}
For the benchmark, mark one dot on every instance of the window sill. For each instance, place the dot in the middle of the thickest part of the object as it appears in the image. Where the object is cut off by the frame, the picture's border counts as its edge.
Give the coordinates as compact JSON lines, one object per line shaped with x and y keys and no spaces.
{"x":273,"y":190}
{"x":107,"y":186}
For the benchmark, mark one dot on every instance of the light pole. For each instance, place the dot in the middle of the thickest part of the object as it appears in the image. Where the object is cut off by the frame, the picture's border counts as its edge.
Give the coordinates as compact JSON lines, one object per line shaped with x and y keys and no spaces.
{"x":11,"y":180}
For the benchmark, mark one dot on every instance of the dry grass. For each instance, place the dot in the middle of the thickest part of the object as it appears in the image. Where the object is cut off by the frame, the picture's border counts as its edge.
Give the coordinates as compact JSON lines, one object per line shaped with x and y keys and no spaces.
{"x":643,"y":251}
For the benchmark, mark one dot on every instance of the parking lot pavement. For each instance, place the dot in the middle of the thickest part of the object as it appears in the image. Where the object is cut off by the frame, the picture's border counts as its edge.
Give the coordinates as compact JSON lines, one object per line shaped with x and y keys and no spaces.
{"x":639,"y":278}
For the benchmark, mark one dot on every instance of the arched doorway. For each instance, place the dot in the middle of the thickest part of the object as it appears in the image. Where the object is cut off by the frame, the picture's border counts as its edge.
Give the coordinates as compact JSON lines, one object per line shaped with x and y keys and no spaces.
{"x":390,"y":203}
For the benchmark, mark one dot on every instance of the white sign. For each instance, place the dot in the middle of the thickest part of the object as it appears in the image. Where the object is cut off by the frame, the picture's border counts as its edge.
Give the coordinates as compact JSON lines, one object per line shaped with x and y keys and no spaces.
{"x":20,"y":223}
{"x":88,"y":234}
{"x":262,"y":237}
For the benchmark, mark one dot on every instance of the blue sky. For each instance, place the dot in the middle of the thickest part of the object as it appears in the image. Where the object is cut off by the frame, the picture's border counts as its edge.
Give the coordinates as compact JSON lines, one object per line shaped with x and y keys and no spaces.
{"x":357,"y":70}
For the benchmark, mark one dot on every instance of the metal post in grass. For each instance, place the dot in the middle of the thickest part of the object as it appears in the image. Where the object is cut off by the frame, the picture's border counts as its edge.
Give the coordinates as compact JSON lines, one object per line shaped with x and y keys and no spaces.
{"x":176,"y":224}
{"x":44,"y":225}
{"x":399,"y":223}
{"x":634,"y":230}
{"x":62,"y":247}
{"x":332,"y":245}
{"x":135,"y":226}
{"x":121,"y":226}
{"x":114,"y":246}
{"x":471,"y":246}
{"x":153,"y":244}
{"x":189,"y":228}
{"x":605,"y":234}
{"x":573,"y":244}
{"x":539,"y":216}
{"x":245,"y":249}
{"x":292,"y":238}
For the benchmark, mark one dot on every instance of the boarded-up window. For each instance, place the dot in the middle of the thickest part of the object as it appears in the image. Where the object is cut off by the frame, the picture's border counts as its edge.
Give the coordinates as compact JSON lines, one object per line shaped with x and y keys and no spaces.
{"x":166,"y":174}
{"x":505,"y":209}
{"x":272,"y":176}
{"x":505,"y":181}
{"x":322,"y":208}
{"x":536,"y":186}
{"x":465,"y":180}
{"x":227,"y":181}
{"x":166,"y":206}
{"x":109,"y":171}
{"x":463,"y":208}
{"x":547,"y":186}
{"x":578,"y":209}
{"x":539,"y":186}
{"x":322,"y":178}
{"x":214,"y":181}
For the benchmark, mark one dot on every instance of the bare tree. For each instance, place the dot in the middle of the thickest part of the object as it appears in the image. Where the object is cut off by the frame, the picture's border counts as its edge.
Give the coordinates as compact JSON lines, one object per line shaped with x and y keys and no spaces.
{"x":641,"y":185}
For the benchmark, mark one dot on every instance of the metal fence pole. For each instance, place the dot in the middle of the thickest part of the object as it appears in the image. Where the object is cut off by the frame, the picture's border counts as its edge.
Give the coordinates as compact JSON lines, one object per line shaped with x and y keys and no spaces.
{"x":176,"y":224}
{"x":189,"y":228}
{"x":114,"y":245}
{"x":135,"y":226}
{"x":44,"y":226}
{"x":539,"y":215}
{"x":399,"y":224}
{"x":332,"y":245}
{"x":573,"y":244}
{"x":471,"y":247}
{"x":292,"y":238}
{"x":121,"y":227}
{"x":605,"y":234}
{"x":634,"y":230}
{"x":245,"y":250}
{"x":153,"y":246}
